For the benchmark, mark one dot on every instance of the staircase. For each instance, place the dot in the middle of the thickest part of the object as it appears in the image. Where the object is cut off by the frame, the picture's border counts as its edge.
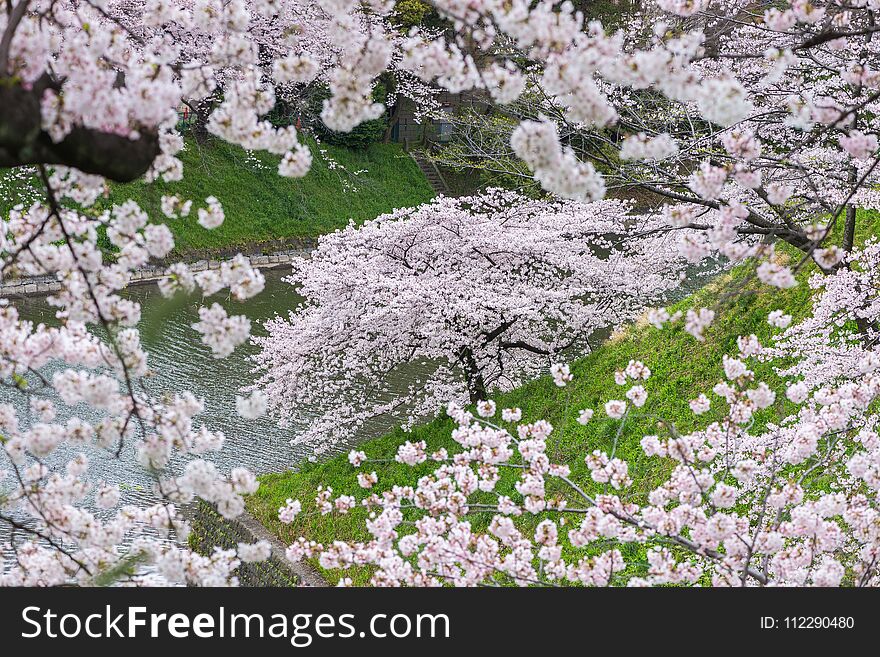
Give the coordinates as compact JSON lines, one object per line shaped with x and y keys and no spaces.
{"x":432,"y":173}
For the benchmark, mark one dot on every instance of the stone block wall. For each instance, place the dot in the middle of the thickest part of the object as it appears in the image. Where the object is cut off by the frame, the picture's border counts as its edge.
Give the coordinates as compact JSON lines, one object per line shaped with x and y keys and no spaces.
{"x":41,"y":285}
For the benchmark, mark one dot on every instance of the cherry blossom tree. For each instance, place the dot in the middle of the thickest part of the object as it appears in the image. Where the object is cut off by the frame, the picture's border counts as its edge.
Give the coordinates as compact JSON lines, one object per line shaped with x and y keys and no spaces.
{"x":489,"y":289}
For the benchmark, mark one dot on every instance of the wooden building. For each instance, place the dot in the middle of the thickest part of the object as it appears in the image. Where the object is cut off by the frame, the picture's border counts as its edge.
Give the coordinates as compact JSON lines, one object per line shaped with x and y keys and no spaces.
{"x":405,"y":127}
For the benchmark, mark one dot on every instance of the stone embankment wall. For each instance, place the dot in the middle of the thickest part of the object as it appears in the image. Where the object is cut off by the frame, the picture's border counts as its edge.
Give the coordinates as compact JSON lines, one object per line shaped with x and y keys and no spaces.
{"x":41,"y":285}
{"x":210,"y":529}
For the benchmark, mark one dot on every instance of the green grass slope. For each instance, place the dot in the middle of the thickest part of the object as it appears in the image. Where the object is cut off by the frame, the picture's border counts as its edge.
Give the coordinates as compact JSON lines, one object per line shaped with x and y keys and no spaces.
{"x":261,"y":206}
{"x":681,"y":369}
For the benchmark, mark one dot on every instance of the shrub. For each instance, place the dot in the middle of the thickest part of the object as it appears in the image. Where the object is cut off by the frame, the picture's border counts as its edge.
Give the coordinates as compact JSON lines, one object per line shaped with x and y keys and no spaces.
{"x":368,"y":132}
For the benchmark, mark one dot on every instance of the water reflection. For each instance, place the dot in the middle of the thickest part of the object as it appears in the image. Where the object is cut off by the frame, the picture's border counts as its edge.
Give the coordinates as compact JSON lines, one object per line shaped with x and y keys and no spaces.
{"x":179,"y":361}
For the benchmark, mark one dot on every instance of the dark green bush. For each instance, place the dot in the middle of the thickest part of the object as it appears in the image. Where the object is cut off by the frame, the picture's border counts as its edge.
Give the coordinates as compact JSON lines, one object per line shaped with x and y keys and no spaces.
{"x":368,"y":132}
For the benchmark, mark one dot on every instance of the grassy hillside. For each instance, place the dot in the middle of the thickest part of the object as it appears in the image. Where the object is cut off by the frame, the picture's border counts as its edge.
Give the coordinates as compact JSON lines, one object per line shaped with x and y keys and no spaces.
{"x":260,"y":205}
{"x":681,"y":369}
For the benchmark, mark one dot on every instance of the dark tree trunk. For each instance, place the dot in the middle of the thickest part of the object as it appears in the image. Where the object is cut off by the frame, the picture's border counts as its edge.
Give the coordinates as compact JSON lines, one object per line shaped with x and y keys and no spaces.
{"x":849,"y":228}
{"x":201,"y":113}
{"x":24,"y":142}
{"x":475,"y":383}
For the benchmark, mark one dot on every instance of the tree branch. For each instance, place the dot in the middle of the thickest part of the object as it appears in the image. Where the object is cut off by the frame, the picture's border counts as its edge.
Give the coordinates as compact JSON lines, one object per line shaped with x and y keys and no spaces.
{"x":24,"y":142}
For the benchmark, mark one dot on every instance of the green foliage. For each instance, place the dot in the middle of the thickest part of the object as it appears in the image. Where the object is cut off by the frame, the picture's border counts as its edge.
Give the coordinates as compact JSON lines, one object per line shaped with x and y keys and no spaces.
{"x":492,"y":131}
{"x":18,"y":186}
{"x":612,"y":13}
{"x":367,"y":133}
{"x":281,"y":115}
{"x":410,"y":13}
{"x":123,"y":570}
{"x":417,"y":13}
